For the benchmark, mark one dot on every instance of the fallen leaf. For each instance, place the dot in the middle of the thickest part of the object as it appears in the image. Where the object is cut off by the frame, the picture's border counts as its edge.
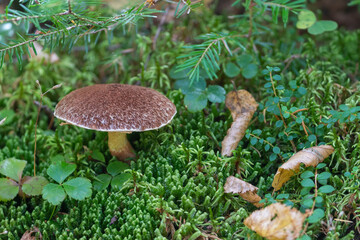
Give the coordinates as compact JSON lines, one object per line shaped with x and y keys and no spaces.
{"x":242,"y":106}
{"x":309,"y":156}
{"x":28,"y":235}
{"x":113,"y":220}
{"x":244,"y":189}
{"x":276,"y":222}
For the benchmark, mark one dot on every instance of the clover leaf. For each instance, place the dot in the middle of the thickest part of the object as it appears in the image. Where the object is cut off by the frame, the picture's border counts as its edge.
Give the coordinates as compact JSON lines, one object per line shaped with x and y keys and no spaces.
{"x":116,"y":176}
{"x":16,"y":183}
{"x":78,"y":188}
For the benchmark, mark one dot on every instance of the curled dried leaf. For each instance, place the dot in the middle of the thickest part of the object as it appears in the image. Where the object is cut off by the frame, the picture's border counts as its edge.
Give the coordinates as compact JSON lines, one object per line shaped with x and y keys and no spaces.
{"x":242,"y":106}
{"x":244,"y":189}
{"x":310,"y":157}
{"x":30,"y":234}
{"x":276,"y":222}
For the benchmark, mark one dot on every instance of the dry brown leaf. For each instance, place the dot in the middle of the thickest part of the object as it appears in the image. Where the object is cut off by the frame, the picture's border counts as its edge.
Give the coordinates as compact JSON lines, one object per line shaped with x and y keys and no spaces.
{"x":310,"y":157}
{"x":244,"y":189}
{"x":28,"y":235}
{"x":242,"y":106}
{"x":276,"y":222}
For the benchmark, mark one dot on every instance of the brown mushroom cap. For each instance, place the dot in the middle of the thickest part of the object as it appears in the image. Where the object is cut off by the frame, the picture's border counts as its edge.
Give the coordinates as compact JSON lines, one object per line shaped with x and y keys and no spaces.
{"x":116,"y":108}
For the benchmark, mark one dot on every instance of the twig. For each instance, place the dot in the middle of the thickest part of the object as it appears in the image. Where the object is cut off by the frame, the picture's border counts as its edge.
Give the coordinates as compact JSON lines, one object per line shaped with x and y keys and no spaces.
{"x":158,"y":31}
{"x":313,"y":206}
{"x":282,"y":117}
{"x":37,"y":117}
{"x":91,"y":24}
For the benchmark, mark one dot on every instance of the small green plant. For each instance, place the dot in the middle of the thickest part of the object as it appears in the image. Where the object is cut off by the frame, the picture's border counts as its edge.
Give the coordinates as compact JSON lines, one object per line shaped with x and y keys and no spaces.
{"x":116,"y":176}
{"x":307,"y":20}
{"x":197,"y":94}
{"x":244,"y":65}
{"x":78,"y":188}
{"x":313,"y":196}
{"x":16,"y":183}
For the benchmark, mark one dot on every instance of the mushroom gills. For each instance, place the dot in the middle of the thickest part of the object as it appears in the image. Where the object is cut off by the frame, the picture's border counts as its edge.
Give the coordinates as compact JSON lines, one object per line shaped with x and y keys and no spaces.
{"x":119,"y":146}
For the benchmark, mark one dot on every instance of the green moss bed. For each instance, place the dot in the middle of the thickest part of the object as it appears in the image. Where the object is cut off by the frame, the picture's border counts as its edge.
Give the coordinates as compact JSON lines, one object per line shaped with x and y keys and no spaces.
{"x":176,"y":188}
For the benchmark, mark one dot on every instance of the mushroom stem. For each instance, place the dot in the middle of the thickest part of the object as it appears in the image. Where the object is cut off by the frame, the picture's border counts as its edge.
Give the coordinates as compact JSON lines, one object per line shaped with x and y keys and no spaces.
{"x":119,"y":146}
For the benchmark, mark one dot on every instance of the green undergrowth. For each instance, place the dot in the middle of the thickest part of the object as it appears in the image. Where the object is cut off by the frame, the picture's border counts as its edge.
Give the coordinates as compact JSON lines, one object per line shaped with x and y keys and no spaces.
{"x":176,"y":186}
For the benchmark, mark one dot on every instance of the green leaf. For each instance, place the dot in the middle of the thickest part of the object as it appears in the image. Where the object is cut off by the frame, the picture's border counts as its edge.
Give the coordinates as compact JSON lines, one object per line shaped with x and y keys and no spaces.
{"x":8,"y":189}
{"x":307,"y":174}
{"x":97,"y":155}
{"x":195,"y":101}
{"x":324,"y":176}
{"x":216,"y":94}
{"x":326,"y":189}
{"x":78,"y":188}
{"x":302,"y":90}
{"x":308,"y":203}
{"x":316,"y":216}
{"x":179,"y":74}
{"x":8,"y":114}
{"x":187,"y":88}
{"x":34,"y":185}
{"x":250,"y":71}
{"x":304,"y":237}
{"x":116,"y":167}
{"x":59,"y":171}
{"x":244,"y":60}
{"x":102,"y":183}
{"x":253,"y":141}
{"x":322,"y":26}
{"x":231,"y":70}
{"x":12,"y":168}
{"x":320,"y":165}
{"x":306,"y":19}
{"x":276,"y":150}
{"x":307,"y":183}
{"x":53,"y":193}
{"x":119,"y":180}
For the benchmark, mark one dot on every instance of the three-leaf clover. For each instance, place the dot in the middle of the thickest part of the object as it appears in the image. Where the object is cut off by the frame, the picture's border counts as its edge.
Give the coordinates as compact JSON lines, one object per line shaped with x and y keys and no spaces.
{"x":196,"y":93}
{"x":16,"y":183}
{"x":78,"y":188}
{"x":116,"y":176}
{"x":307,"y":20}
{"x":244,"y":66}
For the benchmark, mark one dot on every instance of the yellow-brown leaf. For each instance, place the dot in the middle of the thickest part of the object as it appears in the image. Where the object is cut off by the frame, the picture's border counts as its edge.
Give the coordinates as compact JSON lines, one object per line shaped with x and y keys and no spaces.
{"x":276,"y":222}
{"x":242,"y":106}
{"x":310,"y":157}
{"x":244,"y":189}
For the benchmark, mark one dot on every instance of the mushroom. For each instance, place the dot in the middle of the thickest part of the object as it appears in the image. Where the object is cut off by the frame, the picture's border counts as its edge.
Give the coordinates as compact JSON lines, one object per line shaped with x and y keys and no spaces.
{"x":117,"y":109}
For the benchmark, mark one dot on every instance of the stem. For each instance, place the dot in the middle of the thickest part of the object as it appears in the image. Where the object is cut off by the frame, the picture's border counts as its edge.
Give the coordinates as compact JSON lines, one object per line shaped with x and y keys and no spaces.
{"x":313,"y":206}
{"x":119,"y":146}
{"x":52,"y":213}
{"x":251,"y":5}
{"x":36,"y":123}
{"x":282,"y":117}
